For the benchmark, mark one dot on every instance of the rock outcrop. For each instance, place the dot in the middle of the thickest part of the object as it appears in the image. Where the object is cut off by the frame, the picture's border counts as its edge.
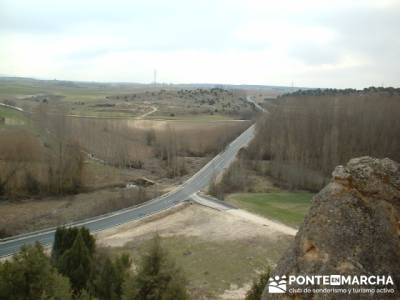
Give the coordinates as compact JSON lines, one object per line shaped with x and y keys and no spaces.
{"x":352,"y":228}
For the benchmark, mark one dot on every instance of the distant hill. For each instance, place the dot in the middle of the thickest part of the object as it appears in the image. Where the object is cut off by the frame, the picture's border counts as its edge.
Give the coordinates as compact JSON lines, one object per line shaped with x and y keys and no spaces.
{"x":104,"y":85}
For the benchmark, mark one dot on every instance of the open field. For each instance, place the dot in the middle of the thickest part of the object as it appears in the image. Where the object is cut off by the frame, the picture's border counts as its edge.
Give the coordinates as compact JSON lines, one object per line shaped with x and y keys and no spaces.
{"x":195,"y":118}
{"x":286,"y":207}
{"x":220,"y":252}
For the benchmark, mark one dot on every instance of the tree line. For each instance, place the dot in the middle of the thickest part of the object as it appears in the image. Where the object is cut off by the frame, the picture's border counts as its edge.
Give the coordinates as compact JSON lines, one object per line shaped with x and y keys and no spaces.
{"x":40,"y":160}
{"x":305,"y":137}
{"x":391,"y":91}
{"x":121,"y":144}
{"x":77,"y":269}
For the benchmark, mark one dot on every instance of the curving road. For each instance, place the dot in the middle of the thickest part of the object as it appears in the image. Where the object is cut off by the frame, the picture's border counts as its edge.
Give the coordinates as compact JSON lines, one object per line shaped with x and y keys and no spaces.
{"x":198,"y":181}
{"x":256,"y":105}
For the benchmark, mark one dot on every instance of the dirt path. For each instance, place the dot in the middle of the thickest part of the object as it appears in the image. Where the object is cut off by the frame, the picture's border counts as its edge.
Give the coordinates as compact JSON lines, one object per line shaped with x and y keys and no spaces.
{"x":140,"y":117}
{"x":276,"y":226}
{"x":153,"y":110}
{"x":193,"y":220}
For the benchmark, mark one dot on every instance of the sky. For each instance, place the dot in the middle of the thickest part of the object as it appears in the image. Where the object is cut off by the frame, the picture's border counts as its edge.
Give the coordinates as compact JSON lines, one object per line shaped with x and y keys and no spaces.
{"x":309,"y":43}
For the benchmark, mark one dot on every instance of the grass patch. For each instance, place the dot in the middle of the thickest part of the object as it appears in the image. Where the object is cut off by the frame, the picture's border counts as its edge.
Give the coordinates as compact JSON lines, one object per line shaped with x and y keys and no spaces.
{"x":12,"y":116}
{"x":211,"y":267}
{"x":286,"y":207}
{"x":191,"y":117}
{"x":104,"y":114}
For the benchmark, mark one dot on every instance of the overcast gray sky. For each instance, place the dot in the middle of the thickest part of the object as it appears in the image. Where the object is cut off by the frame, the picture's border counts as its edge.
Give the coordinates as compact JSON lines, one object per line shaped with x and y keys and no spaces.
{"x":310,"y":43}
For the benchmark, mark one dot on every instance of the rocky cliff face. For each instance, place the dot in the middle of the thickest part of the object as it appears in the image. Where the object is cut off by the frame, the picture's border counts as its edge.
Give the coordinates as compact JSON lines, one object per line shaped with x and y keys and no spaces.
{"x":353,"y":228}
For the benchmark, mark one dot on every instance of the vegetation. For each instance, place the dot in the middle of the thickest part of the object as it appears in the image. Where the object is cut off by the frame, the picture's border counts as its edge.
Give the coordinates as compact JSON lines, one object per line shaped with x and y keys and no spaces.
{"x":32,"y":166}
{"x":77,"y":270}
{"x":258,"y":286}
{"x":213,"y":266}
{"x":305,"y":137}
{"x":340,"y":92}
{"x":85,"y":164}
{"x":72,"y":254}
{"x":232,"y":181}
{"x":173,"y":103}
{"x":286,"y":207}
{"x":59,"y":144}
{"x":110,"y":276}
{"x":10,"y":116}
{"x":29,"y":275}
{"x":125,"y":144}
{"x":158,"y":278}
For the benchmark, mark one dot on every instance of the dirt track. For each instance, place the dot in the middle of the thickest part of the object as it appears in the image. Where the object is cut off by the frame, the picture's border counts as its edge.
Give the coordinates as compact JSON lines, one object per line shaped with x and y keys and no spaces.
{"x":193,"y":220}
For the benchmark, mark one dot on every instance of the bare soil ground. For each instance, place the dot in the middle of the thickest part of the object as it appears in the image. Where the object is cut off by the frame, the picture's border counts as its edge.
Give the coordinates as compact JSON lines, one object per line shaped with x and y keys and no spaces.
{"x":220,"y":252}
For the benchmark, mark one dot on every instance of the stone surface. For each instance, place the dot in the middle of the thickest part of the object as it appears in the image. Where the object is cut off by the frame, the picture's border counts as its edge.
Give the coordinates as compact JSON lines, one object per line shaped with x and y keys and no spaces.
{"x":352,"y":228}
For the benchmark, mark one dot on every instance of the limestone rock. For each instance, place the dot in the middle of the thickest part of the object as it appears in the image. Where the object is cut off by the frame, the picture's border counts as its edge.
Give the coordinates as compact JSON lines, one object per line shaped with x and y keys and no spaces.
{"x":352,"y":228}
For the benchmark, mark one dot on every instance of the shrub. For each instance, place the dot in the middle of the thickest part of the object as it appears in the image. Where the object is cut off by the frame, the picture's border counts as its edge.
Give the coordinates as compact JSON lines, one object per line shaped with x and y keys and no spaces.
{"x":157,"y":279}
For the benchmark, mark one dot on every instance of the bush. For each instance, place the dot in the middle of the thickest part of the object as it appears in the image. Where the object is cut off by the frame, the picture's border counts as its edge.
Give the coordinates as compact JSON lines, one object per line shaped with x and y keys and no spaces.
{"x":157,"y":279}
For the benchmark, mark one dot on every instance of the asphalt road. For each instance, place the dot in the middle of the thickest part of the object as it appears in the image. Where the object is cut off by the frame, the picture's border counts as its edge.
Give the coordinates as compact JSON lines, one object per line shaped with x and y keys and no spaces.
{"x":256,"y":105}
{"x":198,"y":181}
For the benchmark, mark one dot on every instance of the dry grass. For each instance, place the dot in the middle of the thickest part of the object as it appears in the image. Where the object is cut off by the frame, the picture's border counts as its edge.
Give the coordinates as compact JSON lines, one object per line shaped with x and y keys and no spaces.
{"x":28,"y":215}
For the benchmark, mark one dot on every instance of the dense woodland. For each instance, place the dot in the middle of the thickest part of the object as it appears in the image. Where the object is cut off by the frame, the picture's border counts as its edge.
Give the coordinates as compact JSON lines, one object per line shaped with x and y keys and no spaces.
{"x":31,"y":165}
{"x":307,"y":134}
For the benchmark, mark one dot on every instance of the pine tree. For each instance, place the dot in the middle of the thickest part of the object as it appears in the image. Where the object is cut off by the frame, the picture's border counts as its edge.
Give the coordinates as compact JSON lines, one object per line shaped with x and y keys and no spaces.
{"x":157,"y":279}
{"x":110,"y":275}
{"x":105,"y":283}
{"x":85,"y":295}
{"x":122,"y":266}
{"x":77,"y":264}
{"x":29,"y":275}
{"x":64,"y":238}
